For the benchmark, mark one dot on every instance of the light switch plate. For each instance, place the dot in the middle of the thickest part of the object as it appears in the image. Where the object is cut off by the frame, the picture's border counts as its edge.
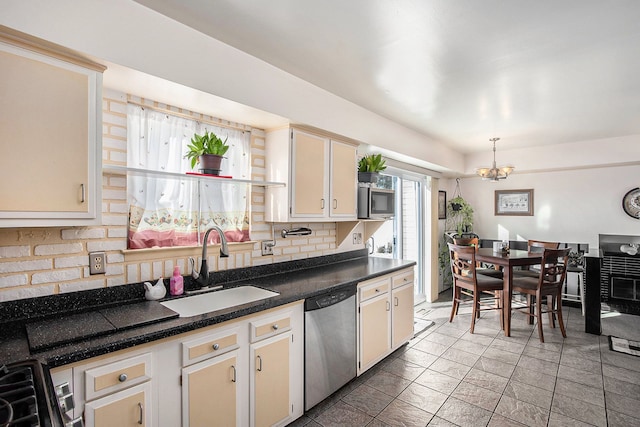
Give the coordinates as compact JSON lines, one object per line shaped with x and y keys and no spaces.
{"x":97,"y":263}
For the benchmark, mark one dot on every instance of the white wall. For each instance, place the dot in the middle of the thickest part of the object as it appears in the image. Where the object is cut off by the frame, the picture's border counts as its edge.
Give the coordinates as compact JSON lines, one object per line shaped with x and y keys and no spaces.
{"x":131,"y":35}
{"x":569,"y":206}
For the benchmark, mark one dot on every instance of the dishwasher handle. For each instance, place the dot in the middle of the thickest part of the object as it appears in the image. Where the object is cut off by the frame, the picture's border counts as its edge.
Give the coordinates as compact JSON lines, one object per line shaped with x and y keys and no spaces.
{"x":328,"y":299}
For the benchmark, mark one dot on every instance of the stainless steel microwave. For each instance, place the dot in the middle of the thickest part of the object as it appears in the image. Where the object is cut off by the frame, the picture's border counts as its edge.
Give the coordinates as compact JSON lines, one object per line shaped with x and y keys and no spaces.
{"x":376,"y":203}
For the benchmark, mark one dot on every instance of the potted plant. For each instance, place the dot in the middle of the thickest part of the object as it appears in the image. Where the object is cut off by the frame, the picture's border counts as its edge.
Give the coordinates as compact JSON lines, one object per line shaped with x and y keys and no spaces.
{"x":369,"y":167}
{"x":459,"y":215}
{"x":207,"y":150}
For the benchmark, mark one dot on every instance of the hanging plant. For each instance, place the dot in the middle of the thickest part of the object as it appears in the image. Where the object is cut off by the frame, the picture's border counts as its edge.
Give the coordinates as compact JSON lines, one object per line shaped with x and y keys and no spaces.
{"x":459,"y":220}
{"x":459,"y":213}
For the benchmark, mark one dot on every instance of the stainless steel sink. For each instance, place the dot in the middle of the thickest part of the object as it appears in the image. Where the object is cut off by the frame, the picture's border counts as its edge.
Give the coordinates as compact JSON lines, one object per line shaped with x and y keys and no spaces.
{"x":217,"y":300}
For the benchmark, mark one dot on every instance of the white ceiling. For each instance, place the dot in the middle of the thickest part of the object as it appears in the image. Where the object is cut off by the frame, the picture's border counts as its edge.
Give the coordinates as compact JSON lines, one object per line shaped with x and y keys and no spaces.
{"x":530,"y":72}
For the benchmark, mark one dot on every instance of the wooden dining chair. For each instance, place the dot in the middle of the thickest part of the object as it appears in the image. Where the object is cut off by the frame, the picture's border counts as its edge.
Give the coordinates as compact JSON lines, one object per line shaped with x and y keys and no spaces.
{"x":474,"y":241}
{"x":467,"y":282}
{"x":535,"y":246}
{"x":548,"y":283}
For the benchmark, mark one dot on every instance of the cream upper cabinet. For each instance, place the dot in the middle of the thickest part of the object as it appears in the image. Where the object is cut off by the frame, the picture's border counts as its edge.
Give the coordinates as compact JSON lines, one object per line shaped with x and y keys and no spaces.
{"x":321,"y":177}
{"x":385,"y":316}
{"x":51,"y":108}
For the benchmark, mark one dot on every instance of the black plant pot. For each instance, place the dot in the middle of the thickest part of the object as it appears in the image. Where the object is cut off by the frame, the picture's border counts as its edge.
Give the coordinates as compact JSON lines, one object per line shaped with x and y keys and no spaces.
{"x":210,"y":164}
{"x":456,"y":207}
{"x":368,"y":176}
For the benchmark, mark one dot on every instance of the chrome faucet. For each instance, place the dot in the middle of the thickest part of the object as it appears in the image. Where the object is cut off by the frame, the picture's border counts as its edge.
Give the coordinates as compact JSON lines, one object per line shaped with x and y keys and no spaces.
{"x":202,"y":276}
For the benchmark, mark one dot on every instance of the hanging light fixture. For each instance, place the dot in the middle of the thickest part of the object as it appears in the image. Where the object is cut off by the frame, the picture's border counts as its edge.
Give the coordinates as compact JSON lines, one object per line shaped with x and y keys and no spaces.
{"x":494,"y":173}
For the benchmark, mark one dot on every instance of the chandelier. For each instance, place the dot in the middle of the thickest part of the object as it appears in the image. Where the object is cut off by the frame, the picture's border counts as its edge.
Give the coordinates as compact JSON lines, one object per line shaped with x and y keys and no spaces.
{"x":493,"y":173}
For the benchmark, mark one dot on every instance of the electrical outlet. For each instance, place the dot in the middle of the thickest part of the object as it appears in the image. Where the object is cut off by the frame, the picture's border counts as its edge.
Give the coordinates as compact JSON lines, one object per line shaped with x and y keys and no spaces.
{"x":357,"y":238}
{"x":267,"y":247}
{"x":97,"y":263}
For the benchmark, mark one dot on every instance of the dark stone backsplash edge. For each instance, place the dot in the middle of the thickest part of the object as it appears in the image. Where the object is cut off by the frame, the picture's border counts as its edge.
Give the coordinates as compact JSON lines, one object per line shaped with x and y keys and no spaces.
{"x":81,"y":301}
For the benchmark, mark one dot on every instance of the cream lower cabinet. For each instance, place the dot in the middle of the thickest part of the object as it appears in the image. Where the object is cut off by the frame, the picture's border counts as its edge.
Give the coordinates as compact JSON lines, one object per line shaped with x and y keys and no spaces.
{"x":402,"y":288}
{"x":276,"y":368}
{"x":204,"y":381}
{"x":128,"y":408}
{"x":244,"y":372}
{"x":270,"y":381}
{"x":385,"y":316}
{"x":118,"y":392}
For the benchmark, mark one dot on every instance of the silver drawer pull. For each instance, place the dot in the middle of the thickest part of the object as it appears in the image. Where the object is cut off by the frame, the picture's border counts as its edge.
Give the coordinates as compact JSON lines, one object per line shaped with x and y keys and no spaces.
{"x":141,"y":408}
{"x":260,"y":363}
{"x":233,"y":379}
{"x":216,"y":346}
{"x":122,"y":378}
{"x":377,"y":290}
{"x":275,"y":327}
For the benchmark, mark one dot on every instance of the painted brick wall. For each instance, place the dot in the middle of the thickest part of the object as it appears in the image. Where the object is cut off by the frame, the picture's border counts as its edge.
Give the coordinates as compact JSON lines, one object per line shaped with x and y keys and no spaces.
{"x":47,"y":261}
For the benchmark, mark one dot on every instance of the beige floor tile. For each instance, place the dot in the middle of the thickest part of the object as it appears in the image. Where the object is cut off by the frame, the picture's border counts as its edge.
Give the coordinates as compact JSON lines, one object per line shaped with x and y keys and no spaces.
{"x":522,"y":412}
{"x":400,"y":413}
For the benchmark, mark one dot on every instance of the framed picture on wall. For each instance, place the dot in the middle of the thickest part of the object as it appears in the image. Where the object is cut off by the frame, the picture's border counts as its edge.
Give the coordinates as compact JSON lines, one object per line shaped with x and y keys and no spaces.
{"x":442,"y":205}
{"x":514,"y":202}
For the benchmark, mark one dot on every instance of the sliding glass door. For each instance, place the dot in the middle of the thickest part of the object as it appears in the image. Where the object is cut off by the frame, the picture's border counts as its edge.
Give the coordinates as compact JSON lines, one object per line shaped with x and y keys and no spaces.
{"x":404,"y":237}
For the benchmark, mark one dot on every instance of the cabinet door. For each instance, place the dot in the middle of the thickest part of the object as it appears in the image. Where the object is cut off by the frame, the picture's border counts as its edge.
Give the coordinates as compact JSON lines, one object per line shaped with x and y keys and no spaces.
{"x":49,"y":103}
{"x":210,"y":392}
{"x":309,"y":186}
{"x":402,"y":314}
{"x":130,"y":407}
{"x":270,"y":380}
{"x":375,"y":331}
{"x":343,"y":180}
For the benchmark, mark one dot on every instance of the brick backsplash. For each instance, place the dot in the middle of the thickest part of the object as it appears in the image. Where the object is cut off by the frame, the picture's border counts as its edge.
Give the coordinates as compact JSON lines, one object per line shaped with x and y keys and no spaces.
{"x":52,"y":260}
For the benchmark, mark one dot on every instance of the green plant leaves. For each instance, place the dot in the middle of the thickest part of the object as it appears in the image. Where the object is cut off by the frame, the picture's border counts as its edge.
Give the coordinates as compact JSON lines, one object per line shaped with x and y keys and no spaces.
{"x":371,"y":163}
{"x":209,"y":143}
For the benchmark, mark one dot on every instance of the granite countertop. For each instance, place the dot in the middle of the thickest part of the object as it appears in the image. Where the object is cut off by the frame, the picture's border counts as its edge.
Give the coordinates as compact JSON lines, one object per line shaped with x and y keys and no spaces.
{"x":294,"y":281}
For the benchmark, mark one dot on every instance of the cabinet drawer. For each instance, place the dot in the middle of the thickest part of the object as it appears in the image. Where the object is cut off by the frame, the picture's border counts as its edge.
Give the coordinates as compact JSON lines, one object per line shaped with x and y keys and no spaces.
{"x":117,"y":376}
{"x":373,"y":288}
{"x":270,"y":326}
{"x":209,"y":346}
{"x":402,"y":278}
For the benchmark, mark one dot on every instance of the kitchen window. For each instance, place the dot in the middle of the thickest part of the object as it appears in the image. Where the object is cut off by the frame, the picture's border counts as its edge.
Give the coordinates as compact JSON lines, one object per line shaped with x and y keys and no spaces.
{"x":173,"y":212}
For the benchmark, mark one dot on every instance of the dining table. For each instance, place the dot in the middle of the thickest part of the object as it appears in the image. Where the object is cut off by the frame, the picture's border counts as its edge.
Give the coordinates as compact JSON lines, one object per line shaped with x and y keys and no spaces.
{"x":507,"y":260}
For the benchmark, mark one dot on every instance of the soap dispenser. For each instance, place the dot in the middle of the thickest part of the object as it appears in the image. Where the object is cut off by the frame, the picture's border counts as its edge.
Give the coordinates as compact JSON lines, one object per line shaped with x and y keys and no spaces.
{"x":176,"y":283}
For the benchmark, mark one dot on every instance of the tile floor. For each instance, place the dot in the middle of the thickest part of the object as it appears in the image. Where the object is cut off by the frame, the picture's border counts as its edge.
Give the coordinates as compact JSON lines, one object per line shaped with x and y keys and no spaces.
{"x":446,"y":376}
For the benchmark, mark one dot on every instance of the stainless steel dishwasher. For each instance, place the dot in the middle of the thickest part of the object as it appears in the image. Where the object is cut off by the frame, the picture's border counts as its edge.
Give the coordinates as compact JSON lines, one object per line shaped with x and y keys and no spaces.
{"x":330,"y":355}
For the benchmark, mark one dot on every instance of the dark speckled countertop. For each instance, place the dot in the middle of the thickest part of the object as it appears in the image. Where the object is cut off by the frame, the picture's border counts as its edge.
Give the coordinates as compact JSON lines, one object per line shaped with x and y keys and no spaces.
{"x":294,"y":281}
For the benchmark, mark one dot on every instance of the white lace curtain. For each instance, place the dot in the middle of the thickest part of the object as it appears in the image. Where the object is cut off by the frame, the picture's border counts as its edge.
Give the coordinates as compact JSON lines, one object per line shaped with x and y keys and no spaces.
{"x":174,"y":212}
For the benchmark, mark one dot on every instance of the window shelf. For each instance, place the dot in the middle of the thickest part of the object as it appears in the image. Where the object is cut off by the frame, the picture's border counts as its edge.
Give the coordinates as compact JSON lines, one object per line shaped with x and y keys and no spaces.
{"x":123,"y":170}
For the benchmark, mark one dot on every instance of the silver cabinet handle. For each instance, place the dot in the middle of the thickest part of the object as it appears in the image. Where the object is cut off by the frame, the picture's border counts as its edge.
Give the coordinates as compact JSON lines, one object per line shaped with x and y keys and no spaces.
{"x":388,"y":306}
{"x":335,"y":203}
{"x":141,"y":408}
{"x":82,"y":198}
{"x":275,"y":327}
{"x":260,"y":363}
{"x":377,"y":290}
{"x":122,"y":378}
{"x":395,"y":301}
{"x":233,"y":378}
{"x":322,"y":203}
{"x":216,"y":346}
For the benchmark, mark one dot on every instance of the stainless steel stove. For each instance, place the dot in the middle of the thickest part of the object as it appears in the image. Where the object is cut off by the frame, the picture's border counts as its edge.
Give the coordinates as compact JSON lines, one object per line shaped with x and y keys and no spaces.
{"x":26,"y":396}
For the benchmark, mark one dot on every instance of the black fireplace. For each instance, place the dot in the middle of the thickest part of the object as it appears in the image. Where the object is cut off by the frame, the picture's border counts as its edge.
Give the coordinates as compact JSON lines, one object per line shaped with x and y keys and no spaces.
{"x":620,"y":273}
